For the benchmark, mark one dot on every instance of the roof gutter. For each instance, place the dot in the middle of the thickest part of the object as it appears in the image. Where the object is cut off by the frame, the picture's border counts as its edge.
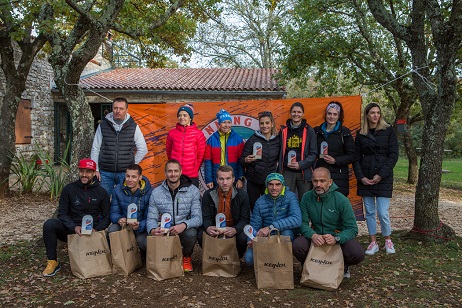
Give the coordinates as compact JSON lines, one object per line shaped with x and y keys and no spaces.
{"x":185,"y":92}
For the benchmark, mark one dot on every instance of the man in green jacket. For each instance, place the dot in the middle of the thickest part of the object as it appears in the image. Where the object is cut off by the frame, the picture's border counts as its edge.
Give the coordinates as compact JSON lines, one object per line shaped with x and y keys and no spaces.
{"x":332,"y":221}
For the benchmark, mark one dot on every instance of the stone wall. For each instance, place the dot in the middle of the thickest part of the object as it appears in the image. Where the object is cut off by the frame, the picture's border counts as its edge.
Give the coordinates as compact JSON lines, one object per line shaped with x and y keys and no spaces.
{"x":42,"y":114}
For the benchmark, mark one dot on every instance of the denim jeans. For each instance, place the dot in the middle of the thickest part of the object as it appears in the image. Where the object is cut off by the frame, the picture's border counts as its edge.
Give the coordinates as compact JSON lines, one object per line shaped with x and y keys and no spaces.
{"x":248,"y":257}
{"x":111,"y":179}
{"x":379,"y":205}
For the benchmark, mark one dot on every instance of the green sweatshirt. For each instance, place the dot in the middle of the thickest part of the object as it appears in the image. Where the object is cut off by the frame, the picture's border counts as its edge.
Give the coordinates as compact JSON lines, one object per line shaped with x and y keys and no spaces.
{"x":330,"y":213}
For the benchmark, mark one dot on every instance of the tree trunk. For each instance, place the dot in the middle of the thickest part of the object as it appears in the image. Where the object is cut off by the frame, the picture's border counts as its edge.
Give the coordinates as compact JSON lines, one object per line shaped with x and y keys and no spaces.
{"x":7,"y":146}
{"x":406,"y":139}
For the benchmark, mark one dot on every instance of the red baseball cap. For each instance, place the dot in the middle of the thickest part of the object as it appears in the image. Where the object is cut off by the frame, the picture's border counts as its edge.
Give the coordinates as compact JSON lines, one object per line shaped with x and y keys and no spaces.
{"x":87,"y":163}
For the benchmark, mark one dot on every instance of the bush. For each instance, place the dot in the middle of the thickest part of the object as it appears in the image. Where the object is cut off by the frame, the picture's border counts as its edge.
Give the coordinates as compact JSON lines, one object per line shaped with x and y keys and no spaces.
{"x":26,"y":172}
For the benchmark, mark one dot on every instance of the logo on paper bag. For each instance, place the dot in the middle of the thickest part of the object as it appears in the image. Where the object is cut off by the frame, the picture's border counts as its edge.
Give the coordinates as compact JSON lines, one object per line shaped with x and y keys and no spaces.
{"x":96,"y":252}
{"x":131,"y":249}
{"x":219,"y":258}
{"x":274,"y":265}
{"x":170,"y":259}
{"x":322,"y":262}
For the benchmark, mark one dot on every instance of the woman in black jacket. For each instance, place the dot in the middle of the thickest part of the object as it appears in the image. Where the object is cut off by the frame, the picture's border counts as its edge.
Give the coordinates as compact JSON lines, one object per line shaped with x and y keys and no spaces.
{"x":376,"y":156}
{"x":341,"y":146}
{"x":257,"y":169}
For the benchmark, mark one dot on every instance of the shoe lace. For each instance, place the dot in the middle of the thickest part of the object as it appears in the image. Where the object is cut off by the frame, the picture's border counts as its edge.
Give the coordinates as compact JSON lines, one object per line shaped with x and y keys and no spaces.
{"x":50,"y":264}
{"x":371,"y":246}
{"x":389,"y":244}
{"x":187,"y":261}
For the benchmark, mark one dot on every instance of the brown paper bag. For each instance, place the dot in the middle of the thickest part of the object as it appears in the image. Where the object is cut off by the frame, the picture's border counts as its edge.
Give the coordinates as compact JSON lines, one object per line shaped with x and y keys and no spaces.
{"x":89,"y":255}
{"x":220,"y":257}
{"x":126,"y":257}
{"x":273,"y":262}
{"x":164,"y":257}
{"x":323,"y":267}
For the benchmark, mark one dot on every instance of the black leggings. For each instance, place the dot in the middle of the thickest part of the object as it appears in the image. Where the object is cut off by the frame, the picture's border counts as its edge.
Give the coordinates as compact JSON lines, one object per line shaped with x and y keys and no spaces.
{"x":54,"y":230}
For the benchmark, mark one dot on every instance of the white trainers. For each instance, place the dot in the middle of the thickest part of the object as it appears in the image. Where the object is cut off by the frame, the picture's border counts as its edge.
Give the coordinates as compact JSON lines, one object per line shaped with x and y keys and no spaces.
{"x":372,"y":248}
{"x":389,"y":247}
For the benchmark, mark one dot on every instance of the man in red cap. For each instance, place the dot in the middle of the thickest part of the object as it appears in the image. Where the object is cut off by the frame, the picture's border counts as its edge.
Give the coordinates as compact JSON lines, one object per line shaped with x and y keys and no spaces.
{"x":82,"y":197}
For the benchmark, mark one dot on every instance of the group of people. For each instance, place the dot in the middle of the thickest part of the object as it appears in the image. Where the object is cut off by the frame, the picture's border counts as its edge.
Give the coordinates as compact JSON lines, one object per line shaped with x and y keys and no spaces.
{"x":298,"y":183}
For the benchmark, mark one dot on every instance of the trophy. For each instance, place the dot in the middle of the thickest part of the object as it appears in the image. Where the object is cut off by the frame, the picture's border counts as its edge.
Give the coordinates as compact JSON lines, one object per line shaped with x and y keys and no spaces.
{"x":132,"y":213}
{"x":292,"y":157}
{"x":250,"y":232}
{"x":166,"y":222}
{"x":220,"y":222}
{"x":87,"y":224}
{"x":257,"y":150}
{"x":324,"y":149}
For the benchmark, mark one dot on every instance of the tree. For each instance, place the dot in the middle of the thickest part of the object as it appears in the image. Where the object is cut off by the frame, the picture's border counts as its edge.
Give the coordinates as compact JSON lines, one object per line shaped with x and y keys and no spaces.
{"x":75,"y":30}
{"x":341,"y":45}
{"x":439,"y":25}
{"x":244,"y":35}
{"x":16,"y":25}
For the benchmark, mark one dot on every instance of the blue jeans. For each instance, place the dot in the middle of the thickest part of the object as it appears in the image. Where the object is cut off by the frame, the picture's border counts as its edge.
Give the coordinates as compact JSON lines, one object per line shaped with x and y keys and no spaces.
{"x":111,"y":179}
{"x":248,"y":257}
{"x":379,"y":205}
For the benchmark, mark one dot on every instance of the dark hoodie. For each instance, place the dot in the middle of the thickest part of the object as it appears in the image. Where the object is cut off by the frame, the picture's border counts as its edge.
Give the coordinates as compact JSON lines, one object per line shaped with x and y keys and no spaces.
{"x":78,"y":200}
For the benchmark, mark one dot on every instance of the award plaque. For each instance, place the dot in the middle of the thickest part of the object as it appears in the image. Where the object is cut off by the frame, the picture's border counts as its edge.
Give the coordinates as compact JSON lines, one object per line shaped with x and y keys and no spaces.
{"x":220,"y":222}
{"x":132,"y":213}
{"x":87,"y":225}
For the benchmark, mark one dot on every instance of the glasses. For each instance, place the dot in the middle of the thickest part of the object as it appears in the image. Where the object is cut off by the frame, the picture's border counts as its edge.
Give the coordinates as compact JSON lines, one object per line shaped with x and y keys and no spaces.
{"x":265,"y":114}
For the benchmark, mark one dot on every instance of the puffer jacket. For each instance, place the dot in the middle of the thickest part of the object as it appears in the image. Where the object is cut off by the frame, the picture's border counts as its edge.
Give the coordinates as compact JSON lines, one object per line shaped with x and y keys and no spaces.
{"x":329,"y":213}
{"x":122,"y":197}
{"x":258,"y":170}
{"x":186,"y":208}
{"x":187,"y":145}
{"x":342,"y":148}
{"x":233,"y":150}
{"x":376,"y":153}
{"x":282,"y":212}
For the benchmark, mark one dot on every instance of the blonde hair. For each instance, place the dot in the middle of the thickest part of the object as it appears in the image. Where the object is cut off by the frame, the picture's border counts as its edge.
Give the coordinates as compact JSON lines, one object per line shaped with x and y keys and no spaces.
{"x":365,"y":123}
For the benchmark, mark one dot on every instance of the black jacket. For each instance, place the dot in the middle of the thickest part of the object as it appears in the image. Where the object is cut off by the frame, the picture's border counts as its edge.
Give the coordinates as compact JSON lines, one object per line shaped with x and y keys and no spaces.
{"x":257,"y":171}
{"x":117,"y":148}
{"x":240,"y":208}
{"x":78,"y":200}
{"x":376,"y":153}
{"x":341,"y":146}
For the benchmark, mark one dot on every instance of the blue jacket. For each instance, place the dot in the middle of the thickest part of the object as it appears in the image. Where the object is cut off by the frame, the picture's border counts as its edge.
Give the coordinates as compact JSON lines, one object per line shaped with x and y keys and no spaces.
{"x":212,"y":159}
{"x":122,"y":196}
{"x":283,"y":212}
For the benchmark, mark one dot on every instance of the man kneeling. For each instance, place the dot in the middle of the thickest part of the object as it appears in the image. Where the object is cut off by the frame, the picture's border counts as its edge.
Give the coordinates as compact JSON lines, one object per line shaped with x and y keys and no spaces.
{"x":332,"y":221}
{"x":82,"y":197}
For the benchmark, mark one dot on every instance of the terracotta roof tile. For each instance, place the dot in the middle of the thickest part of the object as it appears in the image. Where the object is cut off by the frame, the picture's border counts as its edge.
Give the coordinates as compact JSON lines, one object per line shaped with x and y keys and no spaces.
{"x":192,"y":79}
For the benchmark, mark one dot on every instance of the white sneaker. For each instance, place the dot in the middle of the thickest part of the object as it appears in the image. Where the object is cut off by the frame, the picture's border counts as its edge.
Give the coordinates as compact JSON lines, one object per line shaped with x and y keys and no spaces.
{"x":389,"y":247}
{"x":372,"y":248}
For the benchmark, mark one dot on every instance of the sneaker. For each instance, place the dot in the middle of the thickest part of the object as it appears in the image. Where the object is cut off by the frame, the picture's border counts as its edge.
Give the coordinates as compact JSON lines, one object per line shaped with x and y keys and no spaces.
{"x":372,"y":248}
{"x":52,"y":268}
{"x":346,"y":272}
{"x":187,"y":265}
{"x":389,"y":247}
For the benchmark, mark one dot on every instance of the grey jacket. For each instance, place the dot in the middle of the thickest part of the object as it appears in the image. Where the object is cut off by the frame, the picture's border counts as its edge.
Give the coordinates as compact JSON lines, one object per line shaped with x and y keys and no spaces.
{"x":185,"y":208}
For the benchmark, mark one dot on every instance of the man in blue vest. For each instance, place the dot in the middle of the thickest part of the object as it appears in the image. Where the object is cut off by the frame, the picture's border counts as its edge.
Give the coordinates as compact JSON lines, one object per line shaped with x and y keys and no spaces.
{"x":118,"y":143}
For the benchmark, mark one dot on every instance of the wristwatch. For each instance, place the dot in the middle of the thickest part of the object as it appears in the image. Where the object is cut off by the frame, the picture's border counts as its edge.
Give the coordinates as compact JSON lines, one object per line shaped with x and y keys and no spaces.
{"x":337,"y":239}
{"x":271,"y":227}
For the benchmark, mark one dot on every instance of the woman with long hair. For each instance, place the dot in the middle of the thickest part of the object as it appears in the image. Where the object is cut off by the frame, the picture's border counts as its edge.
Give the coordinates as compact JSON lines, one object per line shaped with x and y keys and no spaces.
{"x":340,"y":150}
{"x":260,"y":156}
{"x":298,"y":151}
{"x":376,"y":156}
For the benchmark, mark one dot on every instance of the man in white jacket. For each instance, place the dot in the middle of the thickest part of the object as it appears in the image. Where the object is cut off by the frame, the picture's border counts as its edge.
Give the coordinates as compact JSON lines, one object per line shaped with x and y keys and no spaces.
{"x":118,"y":143}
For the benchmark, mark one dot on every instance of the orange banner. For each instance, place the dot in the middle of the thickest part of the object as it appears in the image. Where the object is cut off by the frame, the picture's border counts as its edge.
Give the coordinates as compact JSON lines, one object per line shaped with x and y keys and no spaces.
{"x":155,"y":121}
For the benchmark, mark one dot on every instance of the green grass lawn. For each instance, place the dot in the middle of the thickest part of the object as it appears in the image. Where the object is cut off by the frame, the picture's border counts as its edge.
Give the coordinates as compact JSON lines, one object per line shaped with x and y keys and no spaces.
{"x":451,"y":179}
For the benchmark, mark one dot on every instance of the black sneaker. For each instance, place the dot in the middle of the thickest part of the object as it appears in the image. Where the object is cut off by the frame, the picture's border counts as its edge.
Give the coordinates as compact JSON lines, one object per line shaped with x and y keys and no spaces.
{"x":346,"y":272}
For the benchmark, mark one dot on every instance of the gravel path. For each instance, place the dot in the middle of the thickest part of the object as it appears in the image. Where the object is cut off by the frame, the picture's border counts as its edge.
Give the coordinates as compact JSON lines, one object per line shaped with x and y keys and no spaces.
{"x":22,"y":217}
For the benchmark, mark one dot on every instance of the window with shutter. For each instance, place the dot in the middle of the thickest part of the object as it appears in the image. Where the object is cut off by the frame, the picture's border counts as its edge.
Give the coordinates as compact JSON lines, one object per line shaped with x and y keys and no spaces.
{"x":23,"y":127}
